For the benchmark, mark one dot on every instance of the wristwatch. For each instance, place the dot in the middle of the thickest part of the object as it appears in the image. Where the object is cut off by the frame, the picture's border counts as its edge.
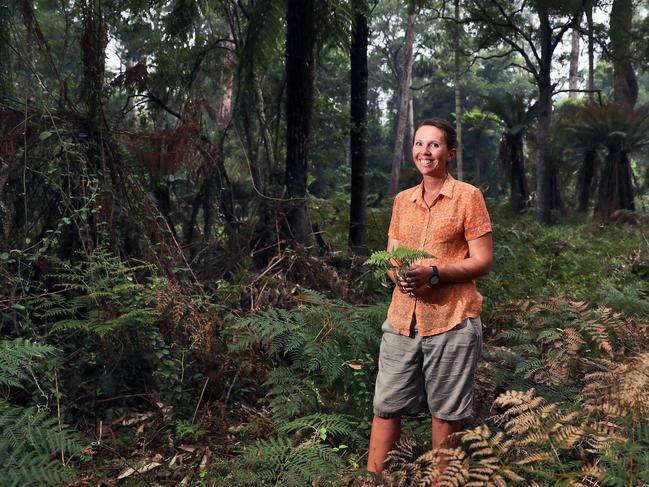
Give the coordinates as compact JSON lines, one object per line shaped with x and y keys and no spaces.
{"x":434,"y":278}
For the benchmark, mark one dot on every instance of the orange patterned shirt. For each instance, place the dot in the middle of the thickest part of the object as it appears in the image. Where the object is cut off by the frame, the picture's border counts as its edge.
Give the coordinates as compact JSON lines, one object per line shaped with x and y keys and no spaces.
{"x":458,"y":214}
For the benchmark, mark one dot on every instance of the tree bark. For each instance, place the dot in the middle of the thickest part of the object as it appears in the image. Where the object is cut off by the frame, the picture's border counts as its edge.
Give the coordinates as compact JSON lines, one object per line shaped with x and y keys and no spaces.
{"x":591,"y":51}
{"x":358,"y":129}
{"x":573,"y":74}
{"x":615,"y":183}
{"x":545,"y":170}
{"x":402,"y":114}
{"x":625,"y":85}
{"x":458,"y":91}
{"x":512,"y":156}
{"x":615,"y":189}
{"x":300,"y":73}
{"x":585,"y":180}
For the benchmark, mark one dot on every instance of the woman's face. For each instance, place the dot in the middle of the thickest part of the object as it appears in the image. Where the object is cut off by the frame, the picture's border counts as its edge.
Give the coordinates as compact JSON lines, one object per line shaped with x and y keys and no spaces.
{"x":430,"y":153}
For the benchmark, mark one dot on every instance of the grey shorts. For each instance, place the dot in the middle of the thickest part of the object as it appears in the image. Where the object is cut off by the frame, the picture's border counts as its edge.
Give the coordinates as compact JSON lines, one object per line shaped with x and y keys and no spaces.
{"x":428,"y":374}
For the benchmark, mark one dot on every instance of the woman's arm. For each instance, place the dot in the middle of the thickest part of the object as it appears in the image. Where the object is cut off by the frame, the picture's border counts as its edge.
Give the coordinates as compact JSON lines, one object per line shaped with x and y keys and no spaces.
{"x":477,"y":264}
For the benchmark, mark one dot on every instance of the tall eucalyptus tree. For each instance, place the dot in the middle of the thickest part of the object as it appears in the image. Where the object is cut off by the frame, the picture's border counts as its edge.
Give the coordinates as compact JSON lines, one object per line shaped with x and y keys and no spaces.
{"x":404,"y":99}
{"x":625,"y":85}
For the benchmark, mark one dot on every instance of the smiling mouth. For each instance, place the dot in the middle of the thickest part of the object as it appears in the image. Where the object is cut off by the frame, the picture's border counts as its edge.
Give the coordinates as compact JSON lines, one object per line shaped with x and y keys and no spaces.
{"x":426,"y":162}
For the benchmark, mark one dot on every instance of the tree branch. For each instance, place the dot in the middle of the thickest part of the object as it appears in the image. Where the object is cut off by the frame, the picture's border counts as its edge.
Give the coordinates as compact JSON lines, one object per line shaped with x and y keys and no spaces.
{"x":163,"y":105}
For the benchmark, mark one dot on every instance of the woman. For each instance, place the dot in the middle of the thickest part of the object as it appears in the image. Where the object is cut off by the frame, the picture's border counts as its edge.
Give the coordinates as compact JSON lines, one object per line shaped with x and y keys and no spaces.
{"x":433,"y":334}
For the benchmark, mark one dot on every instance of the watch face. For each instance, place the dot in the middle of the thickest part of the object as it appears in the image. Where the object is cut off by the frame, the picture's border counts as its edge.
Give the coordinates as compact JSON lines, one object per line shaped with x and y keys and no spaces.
{"x":434,"y":279}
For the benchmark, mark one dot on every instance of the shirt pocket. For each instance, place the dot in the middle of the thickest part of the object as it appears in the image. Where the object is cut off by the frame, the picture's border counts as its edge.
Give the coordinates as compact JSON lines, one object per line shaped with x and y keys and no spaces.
{"x":447,"y":229}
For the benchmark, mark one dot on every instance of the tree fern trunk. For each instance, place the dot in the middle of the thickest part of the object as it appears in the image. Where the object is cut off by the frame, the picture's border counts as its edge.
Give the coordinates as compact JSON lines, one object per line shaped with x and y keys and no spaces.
{"x":585,"y":180}
{"x":615,"y":188}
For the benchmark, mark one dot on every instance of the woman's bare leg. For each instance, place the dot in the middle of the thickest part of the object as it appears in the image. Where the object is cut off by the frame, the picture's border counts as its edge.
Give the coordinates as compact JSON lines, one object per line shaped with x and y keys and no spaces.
{"x":383,"y":439}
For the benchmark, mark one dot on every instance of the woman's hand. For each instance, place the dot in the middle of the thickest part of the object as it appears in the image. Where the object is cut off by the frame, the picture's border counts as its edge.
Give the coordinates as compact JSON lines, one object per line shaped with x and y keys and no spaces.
{"x":415,"y":281}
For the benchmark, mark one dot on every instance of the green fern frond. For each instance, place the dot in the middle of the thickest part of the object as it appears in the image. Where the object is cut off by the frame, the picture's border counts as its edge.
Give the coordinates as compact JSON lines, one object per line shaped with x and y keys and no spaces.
{"x":17,"y":357}
{"x":31,"y":443}
{"x":528,"y":367}
{"x":403,"y":256}
{"x":278,"y":462}
{"x":340,"y":426}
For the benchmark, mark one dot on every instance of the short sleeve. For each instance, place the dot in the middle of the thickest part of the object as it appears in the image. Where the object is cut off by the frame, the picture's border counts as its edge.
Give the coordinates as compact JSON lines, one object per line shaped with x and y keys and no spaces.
{"x":393,"y":231}
{"x":476,"y":217}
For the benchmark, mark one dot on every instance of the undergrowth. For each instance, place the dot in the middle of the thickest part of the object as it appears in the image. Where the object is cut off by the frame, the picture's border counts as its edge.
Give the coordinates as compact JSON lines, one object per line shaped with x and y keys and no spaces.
{"x":566,"y":315}
{"x":201,"y":392}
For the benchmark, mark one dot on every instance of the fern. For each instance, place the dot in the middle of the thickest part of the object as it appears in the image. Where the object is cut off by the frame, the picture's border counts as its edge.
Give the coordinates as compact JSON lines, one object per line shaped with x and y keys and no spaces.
{"x":96,"y":295}
{"x":327,"y":426}
{"x":16,"y":359}
{"x":278,"y":462}
{"x":399,"y":259}
{"x":31,"y":441}
{"x":315,"y":342}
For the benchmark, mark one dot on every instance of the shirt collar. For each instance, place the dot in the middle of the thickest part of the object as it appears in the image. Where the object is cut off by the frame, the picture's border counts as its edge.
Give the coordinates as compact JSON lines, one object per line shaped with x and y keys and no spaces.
{"x":417,"y":195}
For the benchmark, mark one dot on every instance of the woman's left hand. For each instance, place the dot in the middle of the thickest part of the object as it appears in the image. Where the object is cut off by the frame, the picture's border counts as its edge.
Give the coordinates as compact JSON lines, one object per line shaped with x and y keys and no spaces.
{"x":415,"y":279}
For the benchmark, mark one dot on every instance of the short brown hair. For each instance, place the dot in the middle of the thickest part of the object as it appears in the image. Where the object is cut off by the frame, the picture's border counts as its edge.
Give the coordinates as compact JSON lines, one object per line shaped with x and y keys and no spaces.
{"x":444,"y":126}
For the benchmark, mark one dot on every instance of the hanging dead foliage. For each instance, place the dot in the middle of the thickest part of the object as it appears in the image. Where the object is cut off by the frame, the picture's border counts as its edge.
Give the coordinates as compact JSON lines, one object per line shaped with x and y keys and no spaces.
{"x":183,"y":315}
{"x":136,"y":76}
{"x":164,"y":152}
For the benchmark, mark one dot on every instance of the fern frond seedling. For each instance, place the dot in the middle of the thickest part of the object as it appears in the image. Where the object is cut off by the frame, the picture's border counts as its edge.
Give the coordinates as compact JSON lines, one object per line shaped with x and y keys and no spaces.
{"x":398,"y":260}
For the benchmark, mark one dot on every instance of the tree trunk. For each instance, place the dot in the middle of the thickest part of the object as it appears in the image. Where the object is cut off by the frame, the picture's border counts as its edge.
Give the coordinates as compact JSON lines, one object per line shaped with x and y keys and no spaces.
{"x":615,"y":190}
{"x":358,"y":129}
{"x":615,"y":186}
{"x":477,"y":160}
{"x":458,"y":91}
{"x":514,"y":153}
{"x":93,"y":57}
{"x":545,"y":169}
{"x":397,"y":156}
{"x":591,"y":51}
{"x":411,"y":119}
{"x":573,"y":74}
{"x":625,"y":86}
{"x":300,"y":73}
{"x":585,"y":180}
